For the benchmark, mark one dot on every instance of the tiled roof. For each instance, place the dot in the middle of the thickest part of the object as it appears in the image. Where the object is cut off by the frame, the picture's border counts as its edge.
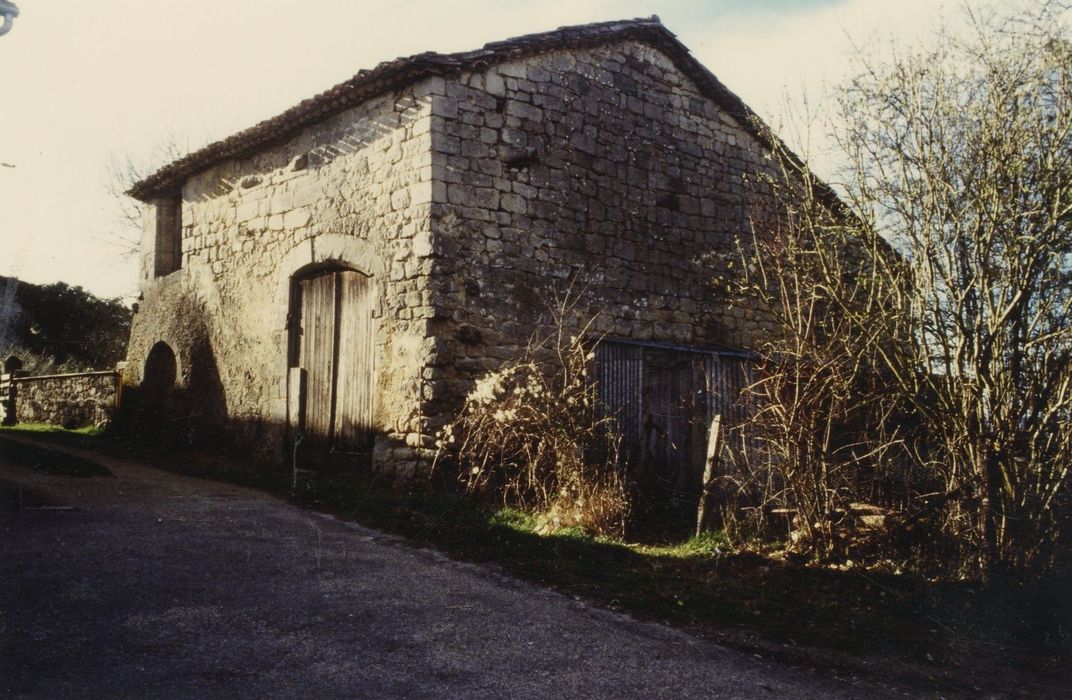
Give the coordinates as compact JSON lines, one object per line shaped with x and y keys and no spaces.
{"x":401,"y":72}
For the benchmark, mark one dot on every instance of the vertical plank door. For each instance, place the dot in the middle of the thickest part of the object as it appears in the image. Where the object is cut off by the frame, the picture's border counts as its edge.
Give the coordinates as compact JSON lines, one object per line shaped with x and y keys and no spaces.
{"x":318,"y":357}
{"x":356,"y":362}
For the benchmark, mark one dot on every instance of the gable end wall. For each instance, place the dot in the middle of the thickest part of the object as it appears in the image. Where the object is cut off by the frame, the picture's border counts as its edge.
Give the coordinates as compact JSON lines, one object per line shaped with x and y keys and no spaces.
{"x":600,"y":172}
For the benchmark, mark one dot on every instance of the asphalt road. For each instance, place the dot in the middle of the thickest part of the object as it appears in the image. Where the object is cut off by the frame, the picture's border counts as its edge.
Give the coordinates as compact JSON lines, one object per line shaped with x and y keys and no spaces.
{"x":146,"y":584}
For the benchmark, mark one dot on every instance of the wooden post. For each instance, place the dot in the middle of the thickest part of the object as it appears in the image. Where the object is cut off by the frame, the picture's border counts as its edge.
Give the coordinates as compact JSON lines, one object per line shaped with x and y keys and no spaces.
{"x":297,"y":386}
{"x":709,"y":472}
{"x":120,"y":369}
{"x":6,"y":404}
{"x":9,"y":390}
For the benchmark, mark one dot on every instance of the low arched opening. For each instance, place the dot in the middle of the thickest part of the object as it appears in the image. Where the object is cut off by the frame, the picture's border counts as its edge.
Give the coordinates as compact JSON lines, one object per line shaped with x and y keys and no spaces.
{"x":161,"y":370}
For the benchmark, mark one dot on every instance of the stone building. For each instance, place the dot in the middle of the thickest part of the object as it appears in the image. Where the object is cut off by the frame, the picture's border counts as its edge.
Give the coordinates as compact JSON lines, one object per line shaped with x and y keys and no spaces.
{"x":343,"y":271}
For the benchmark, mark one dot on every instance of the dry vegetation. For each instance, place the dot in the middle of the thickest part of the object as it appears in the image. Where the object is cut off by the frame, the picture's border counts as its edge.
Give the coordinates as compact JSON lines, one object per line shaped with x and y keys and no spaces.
{"x":924,"y":358}
{"x":532,"y":433}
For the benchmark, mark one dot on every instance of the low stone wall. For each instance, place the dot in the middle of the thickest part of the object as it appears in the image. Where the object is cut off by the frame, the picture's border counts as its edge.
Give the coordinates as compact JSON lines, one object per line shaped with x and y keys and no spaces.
{"x":73,"y":400}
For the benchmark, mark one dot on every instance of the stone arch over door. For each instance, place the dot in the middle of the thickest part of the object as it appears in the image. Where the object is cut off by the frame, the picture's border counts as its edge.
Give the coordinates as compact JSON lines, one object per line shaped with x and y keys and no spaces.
{"x":155,"y":403}
{"x":325,"y":249}
{"x":332,"y":357}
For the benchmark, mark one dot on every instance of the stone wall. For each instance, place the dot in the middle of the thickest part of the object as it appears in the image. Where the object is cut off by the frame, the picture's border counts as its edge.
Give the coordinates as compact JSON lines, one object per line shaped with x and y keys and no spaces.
{"x":71,"y":400}
{"x":603,"y":173}
{"x":355,"y":189}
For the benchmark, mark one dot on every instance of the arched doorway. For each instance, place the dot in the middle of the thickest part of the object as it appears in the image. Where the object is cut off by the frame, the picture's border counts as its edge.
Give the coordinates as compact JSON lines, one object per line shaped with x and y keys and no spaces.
{"x":160,"y":371}
{"x":332,"y":350}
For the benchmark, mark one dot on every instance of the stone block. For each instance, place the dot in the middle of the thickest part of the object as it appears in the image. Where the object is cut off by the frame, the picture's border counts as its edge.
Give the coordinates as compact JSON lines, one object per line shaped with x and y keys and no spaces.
{"x":513,"y":203}
{"x":296,"y":218}
{"x":435,"y":85}
{"x":493,"y":84}
{"x":445,"y":107}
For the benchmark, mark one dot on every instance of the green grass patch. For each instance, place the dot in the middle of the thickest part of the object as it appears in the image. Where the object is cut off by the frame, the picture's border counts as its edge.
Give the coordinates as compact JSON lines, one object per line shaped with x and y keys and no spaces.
{"x":35,"y":428}
{"x":706,"y":544}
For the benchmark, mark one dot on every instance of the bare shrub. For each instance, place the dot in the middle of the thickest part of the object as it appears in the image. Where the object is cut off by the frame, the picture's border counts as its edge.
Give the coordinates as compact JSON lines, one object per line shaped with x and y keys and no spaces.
{"x":961,"y":156}
{"x":821,"y":433}
{"x":928,"y":336}
{"x":532,"y":434}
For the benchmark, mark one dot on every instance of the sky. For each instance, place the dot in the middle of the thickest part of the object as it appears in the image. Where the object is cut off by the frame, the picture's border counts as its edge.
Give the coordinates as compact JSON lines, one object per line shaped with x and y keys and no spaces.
{"x":85,"y":84}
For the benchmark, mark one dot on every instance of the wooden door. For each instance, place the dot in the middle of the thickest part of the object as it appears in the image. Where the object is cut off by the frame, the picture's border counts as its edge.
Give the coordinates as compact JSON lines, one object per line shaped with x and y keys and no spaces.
{"x":317,"y":356}
{"x":336,"y":352}
{"x":355,"y":343}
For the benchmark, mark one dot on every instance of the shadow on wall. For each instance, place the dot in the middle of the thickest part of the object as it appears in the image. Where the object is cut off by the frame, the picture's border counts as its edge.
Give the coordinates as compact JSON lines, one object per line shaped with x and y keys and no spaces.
{"x":162,"y":413}
{"x":342,"y":137}
{"x":165,"y":412}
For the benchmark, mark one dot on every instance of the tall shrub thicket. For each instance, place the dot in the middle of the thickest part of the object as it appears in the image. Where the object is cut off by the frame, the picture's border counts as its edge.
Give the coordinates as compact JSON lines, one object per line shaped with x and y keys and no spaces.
{"x":823,"y":433}
{"x":944,"y":303}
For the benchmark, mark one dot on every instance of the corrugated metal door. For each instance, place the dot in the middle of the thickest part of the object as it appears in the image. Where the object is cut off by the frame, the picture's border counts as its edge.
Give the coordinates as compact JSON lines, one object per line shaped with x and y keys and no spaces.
{"x":727,"y":377}
{"x":619,"y":376}
{"x":674,"y":416}
{"x":336,"y":351}
{"x":664,"y":398}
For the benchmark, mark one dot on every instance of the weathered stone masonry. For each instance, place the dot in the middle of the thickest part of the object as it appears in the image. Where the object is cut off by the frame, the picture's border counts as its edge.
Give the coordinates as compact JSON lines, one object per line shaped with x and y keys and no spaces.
{"x":603,"y":171}
{"x":87,"y":398}
{"x":356,"y":188}
{"x":472,"y":189}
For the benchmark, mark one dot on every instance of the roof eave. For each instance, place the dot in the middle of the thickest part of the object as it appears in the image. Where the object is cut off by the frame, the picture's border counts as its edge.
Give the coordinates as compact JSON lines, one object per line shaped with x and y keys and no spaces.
{"x":402,"y":72}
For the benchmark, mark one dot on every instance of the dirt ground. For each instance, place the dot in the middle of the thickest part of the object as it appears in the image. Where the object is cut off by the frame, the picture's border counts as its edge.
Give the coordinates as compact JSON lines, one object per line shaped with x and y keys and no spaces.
{"x":141,"y":583}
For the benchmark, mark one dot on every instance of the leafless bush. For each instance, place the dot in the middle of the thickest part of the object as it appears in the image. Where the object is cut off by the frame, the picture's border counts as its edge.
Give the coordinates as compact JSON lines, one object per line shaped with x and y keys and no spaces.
{"x":821,"y":432}
{"x":532,"y":433}
{"x":962,"y":155}
{"x":929,"y":334}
